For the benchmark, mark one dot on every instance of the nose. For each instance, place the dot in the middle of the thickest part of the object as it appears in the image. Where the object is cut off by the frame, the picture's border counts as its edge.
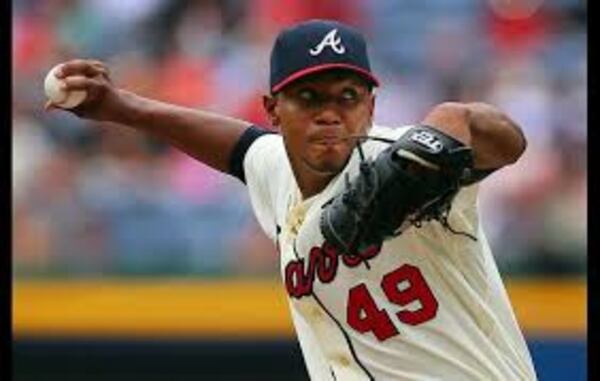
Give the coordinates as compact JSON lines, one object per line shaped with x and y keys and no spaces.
{"x":328,"y":115}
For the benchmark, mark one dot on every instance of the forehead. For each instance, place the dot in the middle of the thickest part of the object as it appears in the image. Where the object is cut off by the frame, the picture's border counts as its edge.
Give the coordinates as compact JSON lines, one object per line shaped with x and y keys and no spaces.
{"x":329,"y":78}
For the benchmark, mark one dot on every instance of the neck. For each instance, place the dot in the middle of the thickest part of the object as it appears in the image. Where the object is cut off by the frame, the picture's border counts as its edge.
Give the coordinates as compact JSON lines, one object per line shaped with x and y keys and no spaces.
{"x":312,"y":183}
{"x":309,"y":181}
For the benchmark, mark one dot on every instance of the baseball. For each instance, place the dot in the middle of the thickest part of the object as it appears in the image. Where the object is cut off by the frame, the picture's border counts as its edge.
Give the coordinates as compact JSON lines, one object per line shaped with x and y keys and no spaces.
{"x":60,"y":97}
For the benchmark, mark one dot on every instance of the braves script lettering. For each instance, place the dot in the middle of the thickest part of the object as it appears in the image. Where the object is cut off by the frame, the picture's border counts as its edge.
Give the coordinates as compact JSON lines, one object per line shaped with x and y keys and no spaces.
{"x":323,"y":263}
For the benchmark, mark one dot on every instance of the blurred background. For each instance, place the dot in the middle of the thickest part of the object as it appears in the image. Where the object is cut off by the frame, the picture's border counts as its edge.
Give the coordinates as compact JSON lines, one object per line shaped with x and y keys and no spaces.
{"x":133,"y":259}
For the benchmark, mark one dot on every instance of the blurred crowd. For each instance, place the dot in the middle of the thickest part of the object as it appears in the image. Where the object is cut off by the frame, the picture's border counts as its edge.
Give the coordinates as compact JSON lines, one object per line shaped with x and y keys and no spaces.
{"x":96,"y":198}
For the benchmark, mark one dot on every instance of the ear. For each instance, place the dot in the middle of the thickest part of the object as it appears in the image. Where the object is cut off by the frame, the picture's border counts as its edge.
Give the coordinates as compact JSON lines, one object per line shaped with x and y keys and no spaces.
{"x":270,"y":106}
{"x":371,"y":107}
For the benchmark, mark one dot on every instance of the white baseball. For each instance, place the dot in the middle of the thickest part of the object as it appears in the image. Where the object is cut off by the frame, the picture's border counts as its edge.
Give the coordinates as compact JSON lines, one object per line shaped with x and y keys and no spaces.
{"x":59,"y":96}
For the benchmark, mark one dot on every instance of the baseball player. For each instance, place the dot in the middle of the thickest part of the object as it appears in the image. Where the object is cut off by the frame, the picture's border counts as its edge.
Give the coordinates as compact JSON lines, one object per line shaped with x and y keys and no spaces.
{"x":388,"y":272}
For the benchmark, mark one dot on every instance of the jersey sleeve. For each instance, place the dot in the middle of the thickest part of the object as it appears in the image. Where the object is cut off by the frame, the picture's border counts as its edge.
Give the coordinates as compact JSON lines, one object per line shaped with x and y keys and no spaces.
{"x":236,"y":162}
{"x":265,"y":170}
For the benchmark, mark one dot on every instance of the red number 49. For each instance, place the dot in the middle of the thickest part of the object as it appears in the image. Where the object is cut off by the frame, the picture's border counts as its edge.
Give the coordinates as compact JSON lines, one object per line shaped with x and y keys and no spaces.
{"x":363,"y":314}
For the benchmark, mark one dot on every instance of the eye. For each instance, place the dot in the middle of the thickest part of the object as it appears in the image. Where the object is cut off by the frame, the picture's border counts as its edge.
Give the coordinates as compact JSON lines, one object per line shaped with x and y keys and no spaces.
{"x":349,"y":96}
{"x":307,"y":95}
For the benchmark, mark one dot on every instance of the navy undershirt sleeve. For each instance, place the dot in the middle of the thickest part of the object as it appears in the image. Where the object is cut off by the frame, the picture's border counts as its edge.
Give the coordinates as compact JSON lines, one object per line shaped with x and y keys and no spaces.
{"x":236,"y":161}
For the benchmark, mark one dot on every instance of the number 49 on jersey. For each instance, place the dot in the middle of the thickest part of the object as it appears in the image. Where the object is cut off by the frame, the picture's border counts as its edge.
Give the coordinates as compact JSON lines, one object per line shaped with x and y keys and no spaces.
{"x":402,"y":286}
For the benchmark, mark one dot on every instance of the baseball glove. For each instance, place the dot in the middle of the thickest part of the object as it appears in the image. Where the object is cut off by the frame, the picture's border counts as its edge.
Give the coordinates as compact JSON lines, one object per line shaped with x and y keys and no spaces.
{"x":413,"y":180}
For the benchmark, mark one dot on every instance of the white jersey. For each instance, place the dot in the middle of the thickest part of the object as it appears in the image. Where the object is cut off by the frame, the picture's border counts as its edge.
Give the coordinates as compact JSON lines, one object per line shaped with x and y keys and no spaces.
{"x":430,"y":305}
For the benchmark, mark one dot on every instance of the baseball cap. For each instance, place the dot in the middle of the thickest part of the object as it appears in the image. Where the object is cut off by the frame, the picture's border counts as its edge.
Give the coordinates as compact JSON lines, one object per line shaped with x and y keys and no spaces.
{"x":318,"y":45}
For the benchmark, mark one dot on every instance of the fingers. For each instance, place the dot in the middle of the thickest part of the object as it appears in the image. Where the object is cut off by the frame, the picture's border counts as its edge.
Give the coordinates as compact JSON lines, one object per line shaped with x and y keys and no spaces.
{"x":80,"y":83}
{"x":91,"y":76}
{"x":49,"y":106}
{"x":95,"y":87}
{"x":88,"y":68}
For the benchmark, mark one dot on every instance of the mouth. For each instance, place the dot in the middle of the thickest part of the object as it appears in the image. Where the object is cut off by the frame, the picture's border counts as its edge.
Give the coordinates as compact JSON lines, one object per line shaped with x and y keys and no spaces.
{"x":328,"y":140}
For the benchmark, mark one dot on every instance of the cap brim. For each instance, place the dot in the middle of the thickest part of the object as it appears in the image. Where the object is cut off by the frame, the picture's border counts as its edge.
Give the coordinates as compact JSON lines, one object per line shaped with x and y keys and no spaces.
{"x":314,"y":69}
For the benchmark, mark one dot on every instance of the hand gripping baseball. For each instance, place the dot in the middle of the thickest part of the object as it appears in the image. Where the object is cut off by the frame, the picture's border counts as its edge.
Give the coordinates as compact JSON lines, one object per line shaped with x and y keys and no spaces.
{"x":90,"y":77}
{"x":415,"y":179}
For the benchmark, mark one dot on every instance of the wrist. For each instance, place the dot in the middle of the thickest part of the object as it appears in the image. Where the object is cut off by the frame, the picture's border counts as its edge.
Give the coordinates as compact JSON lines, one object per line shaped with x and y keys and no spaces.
{"x":131,"y":109}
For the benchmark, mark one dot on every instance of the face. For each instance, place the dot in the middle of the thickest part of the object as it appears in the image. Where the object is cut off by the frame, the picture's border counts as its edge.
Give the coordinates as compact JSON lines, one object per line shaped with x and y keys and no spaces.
{"x":317,"y":114}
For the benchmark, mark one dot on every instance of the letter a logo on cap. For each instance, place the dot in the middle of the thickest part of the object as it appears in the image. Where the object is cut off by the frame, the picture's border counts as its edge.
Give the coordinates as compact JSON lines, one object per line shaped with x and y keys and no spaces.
{"x":332,"y":40}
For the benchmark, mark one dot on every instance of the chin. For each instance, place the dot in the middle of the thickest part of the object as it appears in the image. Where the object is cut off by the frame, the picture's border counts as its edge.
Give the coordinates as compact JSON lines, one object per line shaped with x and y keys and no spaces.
{"x":327,"y":161}
{"x":329,"y":167}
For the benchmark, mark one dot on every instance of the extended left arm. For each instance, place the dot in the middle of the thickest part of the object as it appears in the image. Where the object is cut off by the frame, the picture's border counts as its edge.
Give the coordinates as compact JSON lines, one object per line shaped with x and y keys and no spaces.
{"x":496,"y":140}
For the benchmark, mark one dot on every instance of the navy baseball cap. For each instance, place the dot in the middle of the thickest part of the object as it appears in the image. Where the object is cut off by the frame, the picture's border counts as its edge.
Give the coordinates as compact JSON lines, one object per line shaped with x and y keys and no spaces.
{"x":318,"y":45}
